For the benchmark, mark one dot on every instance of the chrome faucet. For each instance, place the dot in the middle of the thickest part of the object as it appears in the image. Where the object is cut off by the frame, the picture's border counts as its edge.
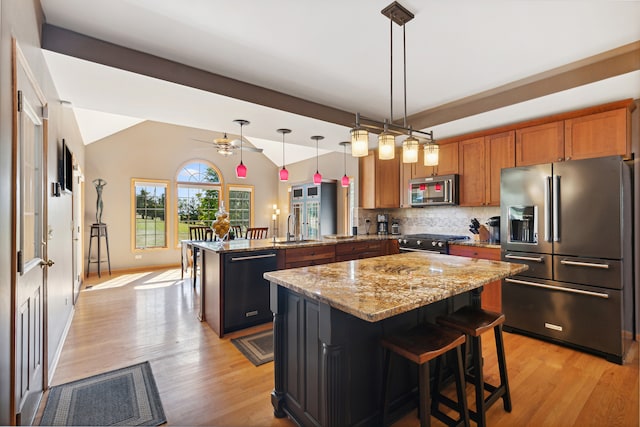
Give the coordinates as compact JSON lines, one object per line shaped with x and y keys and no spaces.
{"x":291,"y":236}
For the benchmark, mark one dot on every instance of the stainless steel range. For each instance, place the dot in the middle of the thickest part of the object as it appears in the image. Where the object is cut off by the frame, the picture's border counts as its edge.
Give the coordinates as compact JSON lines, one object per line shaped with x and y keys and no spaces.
{"x":435,"y":243}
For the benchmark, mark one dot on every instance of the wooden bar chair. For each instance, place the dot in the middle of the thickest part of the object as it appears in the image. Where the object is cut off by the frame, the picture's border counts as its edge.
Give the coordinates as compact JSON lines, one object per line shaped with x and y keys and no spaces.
{"x":257,"y":233}
{"x":200,"y":233}
{"x":420,"y":345}
{"x":473,"y":322}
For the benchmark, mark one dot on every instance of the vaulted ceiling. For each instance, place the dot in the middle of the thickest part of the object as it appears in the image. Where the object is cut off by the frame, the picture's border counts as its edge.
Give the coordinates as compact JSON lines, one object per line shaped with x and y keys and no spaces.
{"x":310,"y":66}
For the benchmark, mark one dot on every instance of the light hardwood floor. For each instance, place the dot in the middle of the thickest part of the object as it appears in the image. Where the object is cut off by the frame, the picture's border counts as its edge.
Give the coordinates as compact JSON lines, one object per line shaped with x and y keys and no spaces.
{"x":203,"y":380}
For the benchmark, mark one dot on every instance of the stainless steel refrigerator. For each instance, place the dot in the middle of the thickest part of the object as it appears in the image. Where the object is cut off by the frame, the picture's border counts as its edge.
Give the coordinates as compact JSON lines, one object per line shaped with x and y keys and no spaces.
{"x":571,"y":223}
{"x":314,"y":210}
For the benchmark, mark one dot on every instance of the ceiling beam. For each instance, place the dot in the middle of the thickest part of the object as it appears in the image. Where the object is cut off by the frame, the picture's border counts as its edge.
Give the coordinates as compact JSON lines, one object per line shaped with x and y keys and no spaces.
{"x":77,"y":45}
{"x":615,"y":62}
{"x":618,"y":61}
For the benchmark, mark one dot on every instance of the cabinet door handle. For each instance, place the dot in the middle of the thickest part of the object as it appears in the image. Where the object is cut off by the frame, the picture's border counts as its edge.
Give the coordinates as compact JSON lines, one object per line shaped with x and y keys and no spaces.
{"x":247,"y":258}
{"x":558,"y":288}
{"x":524,"y":258}
{"x":584,"y":264}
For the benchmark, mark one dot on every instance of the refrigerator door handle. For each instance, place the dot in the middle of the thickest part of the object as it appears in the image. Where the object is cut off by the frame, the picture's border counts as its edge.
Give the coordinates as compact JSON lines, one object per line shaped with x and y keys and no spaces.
{"x":584,"y":264}
{"x":556,"y":199}
{"x":558,"y":288}
{"x":547,"y":209}
{"x":524,"y":258}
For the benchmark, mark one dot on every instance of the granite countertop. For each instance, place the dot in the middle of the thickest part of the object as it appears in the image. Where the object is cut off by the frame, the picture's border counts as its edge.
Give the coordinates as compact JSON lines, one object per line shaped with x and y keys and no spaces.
{"x":475,"y":243}
{"x":377,"y":288}
{"x":243,"y":245}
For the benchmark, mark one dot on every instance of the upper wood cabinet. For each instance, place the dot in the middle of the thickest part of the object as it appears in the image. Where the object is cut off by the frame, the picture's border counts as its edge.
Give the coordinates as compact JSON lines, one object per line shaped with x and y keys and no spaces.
{"x":379,"y":182}
{"x":540,"y":144}
{"x":447,"y":162}
{"x":598,"y":135}
{"x":481,"y":160}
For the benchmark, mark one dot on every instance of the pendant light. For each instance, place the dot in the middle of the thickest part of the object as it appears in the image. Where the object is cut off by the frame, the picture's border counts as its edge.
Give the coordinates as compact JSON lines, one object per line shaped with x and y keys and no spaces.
{"x":241,"y":169}
{"x":317,"y":177}
{"x":345,"y":177}
{"x":399,"y":15}
{"x":284,"y":173}
{"x":431,"y":154}
{"x":410,"y":150}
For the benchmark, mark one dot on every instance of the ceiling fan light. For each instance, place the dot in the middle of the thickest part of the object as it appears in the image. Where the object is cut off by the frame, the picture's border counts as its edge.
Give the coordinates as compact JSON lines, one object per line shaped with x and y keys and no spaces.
{"x":241,"y":170}
{"x":410,"y":150}
{"x":359,"y":142}
{"x":386,"y":146}
{"x":226,"y":152}
{"x":284,"y":174}
{"x":345,"y":181}
{"x":431,"y":154}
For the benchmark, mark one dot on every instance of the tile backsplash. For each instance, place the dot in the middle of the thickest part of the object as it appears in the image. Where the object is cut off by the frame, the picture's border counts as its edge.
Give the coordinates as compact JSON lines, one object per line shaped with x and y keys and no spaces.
{"x":432,"y":219}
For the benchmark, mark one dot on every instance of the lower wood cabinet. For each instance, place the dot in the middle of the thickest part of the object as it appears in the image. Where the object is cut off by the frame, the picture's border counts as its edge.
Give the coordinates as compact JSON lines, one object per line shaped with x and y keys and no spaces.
{"x":492,"y":292}
{"x":358,"y":250}
{"x":303,"y":257}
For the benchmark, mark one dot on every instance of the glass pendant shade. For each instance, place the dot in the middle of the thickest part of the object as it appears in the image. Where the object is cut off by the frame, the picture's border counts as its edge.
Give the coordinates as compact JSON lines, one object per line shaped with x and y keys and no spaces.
{"x":431,"y":154}
{"x":317,"y":178}
{"x":359,"y":142}
{"x":345,"y":181}
{"x":410,"y":150}
{"x":284,"y":174}
{"x":241,"y":170}
{"x":386,"y":146}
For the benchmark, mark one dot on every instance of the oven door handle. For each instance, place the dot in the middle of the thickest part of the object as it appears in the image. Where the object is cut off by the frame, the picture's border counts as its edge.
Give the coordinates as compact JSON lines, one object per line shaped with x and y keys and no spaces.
{"x":419,"y":250}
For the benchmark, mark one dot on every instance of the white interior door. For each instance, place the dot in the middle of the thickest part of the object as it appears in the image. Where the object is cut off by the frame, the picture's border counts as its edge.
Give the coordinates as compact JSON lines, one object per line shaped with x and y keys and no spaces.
{"x":30,"y":213}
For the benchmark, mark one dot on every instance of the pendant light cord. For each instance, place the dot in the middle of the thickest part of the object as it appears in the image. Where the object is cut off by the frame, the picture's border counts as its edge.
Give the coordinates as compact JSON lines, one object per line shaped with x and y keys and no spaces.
{"x":317,"y":169}
{"x":391,"y":70}
{"x":241,"y":142}
{"x":282,"y":150}
{"x":404,"y":60}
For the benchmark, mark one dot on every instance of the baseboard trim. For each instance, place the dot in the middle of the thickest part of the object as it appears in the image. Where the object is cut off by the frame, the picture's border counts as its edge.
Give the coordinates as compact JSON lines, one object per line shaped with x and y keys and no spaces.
{"x":56,"y":358}
{"x":133,"y":270}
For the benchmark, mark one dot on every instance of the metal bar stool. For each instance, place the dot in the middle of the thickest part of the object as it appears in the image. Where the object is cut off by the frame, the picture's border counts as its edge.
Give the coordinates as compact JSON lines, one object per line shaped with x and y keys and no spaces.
{"x":473,"y":322}
{"x":420,"y":345}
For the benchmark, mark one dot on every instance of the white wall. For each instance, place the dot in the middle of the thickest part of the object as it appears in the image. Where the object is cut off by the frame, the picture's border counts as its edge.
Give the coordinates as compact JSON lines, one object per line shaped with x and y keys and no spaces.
{"x":153,"y":150}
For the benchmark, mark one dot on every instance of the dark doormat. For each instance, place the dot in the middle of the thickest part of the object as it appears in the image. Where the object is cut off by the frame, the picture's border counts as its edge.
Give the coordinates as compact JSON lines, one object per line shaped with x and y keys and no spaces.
{"x":258,"y":347}
{"x":126,"y":396}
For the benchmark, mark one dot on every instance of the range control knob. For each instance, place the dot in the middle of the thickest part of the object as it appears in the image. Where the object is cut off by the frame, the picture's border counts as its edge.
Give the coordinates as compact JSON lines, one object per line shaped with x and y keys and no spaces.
{"x":419,"y":243}
{"x":404,"y":241}
{"x":440,"y":244}
{"x":433,"y":243}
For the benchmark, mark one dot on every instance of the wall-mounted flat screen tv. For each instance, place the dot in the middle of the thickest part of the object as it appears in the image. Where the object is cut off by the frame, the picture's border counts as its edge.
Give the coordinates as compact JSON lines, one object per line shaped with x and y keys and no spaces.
{"x":65,"y":169}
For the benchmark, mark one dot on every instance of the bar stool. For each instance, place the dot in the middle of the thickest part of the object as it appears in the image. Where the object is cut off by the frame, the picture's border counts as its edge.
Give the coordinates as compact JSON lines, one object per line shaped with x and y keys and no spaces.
{"x":420,"y":345}
{"x":473,"y":322}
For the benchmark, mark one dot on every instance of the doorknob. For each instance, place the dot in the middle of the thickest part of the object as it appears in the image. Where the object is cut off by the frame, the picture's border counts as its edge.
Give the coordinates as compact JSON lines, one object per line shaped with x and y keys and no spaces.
{"x":48,"y":263}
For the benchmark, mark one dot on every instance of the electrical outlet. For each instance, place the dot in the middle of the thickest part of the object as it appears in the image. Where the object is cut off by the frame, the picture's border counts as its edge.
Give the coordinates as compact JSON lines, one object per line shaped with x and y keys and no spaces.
{"x":138,"y":256}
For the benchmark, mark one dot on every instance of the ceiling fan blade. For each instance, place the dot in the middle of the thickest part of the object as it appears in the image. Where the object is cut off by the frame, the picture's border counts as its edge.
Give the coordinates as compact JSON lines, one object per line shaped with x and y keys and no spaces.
{"x":203,"y":140}
{"x":236,"y":144}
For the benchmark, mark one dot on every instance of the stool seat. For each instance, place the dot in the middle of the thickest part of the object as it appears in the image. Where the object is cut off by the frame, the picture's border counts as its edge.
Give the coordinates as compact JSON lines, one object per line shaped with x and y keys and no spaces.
{"x":424,"y":343}
{"x":472,"y":321}
{"x":420,"y":345}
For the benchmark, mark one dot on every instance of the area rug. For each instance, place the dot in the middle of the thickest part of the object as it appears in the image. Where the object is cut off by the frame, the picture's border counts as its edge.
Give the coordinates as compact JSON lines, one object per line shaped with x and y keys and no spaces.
{"x":126,"y":396}
{"x":258,"y":347}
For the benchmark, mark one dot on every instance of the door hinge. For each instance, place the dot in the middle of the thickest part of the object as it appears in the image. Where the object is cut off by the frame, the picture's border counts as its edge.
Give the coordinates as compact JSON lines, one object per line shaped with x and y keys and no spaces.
{"x":19,"y":101}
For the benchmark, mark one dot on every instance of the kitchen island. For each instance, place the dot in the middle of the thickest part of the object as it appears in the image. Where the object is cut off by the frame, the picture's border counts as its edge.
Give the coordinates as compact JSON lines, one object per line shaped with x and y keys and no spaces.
{"x":328,"y":321}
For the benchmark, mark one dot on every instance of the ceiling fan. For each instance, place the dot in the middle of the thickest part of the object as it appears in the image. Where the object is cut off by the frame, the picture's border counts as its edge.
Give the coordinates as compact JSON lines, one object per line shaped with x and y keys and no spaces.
{"x":227,"y":147}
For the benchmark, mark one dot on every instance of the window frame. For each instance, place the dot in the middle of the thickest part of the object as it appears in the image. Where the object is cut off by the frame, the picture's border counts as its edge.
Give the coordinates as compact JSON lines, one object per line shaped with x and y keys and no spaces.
{"x":177,"y":183}
{"x":167,"y":209}
{"x":241,"y":187}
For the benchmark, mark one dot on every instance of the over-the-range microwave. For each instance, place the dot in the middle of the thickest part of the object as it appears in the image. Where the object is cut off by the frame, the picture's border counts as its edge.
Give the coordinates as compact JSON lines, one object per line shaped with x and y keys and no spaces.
{"x":433,"y":190}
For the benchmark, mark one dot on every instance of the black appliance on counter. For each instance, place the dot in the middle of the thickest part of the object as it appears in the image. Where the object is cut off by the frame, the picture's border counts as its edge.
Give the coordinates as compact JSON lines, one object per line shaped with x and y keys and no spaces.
{"x":571,"y":223}
{"x":434,"y":243}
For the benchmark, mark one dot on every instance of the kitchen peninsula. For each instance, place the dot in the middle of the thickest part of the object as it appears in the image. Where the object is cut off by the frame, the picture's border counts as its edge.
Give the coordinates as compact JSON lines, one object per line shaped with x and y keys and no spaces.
{"x":234,"y":295}
{"x":328,"y":321}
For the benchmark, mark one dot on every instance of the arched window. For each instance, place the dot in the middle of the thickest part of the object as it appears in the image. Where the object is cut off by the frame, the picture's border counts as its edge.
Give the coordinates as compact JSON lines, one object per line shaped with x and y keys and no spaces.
{"x":199,"y":191}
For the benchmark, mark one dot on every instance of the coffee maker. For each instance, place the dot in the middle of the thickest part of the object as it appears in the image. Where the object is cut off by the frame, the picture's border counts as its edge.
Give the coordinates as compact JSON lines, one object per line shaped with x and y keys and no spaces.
{"x":383,"y":224}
